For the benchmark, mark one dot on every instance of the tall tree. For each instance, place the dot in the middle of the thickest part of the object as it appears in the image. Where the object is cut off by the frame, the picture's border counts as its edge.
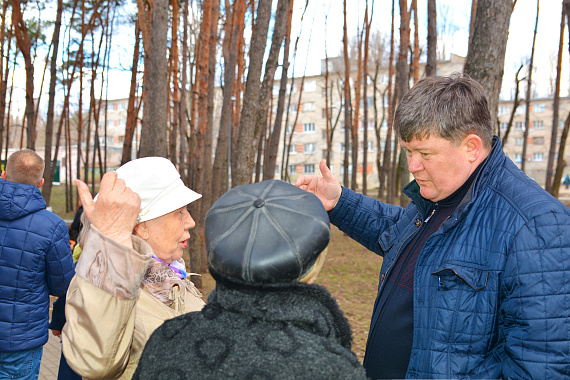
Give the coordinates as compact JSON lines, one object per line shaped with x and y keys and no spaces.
{"x":25,"y":44}
{"x":347,"y":101}
{"x":273,"y":141}
{"x":52,"y":83}
{"x":248,"y":133}
{"x":367,"y":23}
{"x":232,"y":31}
{"x":555,"y":106}
{"x":529,"y":92}
{"x":561,"y":163}
{"x":386,"y":176}
{"x":3,"y":70}
{"x":486,"y":55}
{"x":155,"y":118}
{"x":431,"y":65}
{"x":402,"y":86}
{"x":356,"y":120}
{"x":516,"y":103}
{"x":132,"y":113}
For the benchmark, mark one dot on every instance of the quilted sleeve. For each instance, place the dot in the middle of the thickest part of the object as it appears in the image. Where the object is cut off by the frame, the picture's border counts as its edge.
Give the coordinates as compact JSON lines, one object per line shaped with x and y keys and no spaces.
{"x":363,"y":218}
{"x":535,"y":315}
{"x":60,"y":268}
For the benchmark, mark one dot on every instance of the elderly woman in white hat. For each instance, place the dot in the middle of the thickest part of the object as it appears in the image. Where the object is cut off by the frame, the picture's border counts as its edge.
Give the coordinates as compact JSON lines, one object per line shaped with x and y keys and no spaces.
{"x":131,"y":276}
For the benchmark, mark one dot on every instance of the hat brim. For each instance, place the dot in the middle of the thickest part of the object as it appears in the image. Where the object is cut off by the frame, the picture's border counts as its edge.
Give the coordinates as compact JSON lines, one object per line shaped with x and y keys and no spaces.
{"x":178,"y":197}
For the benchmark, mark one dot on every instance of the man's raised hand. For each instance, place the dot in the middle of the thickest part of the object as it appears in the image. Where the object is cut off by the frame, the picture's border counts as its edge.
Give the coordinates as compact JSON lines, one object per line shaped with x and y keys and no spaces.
{"x":325,"y":186}
{"x":116,"y":210}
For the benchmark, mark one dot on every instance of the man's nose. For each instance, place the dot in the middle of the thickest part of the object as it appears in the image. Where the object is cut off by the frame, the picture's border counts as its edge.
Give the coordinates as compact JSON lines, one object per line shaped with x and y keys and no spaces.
{"x":414,"y":163}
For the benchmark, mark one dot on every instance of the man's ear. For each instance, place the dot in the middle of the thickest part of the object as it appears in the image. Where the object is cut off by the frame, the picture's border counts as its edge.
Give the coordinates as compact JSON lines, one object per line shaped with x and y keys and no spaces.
{"x":474,"y":147}
{"x":141,"y":230}
{"x":3,"y":175}
{"x":41,"y":183}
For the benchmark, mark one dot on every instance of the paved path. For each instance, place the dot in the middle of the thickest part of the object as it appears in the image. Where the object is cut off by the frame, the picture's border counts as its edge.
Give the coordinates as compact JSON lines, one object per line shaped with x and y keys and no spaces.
{"x":50,"y":359}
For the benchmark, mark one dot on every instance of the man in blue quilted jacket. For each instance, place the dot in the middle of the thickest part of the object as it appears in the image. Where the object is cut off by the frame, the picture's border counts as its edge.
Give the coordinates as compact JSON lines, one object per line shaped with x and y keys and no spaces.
{"x":475,"y":279}
{"x":35,"y":261}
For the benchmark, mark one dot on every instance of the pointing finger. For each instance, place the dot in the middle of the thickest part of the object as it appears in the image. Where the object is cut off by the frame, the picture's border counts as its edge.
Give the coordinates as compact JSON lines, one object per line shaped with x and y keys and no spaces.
{"x":85,"y":197}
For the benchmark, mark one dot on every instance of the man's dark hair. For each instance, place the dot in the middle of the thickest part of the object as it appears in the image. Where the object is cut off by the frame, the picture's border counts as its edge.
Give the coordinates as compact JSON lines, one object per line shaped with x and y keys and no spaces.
{"x":448,"y":107}
{"x":26,"y":167}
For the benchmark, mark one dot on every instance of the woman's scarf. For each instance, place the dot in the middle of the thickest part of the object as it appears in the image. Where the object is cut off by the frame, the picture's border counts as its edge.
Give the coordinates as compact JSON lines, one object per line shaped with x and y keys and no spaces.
{"x":161,"y":279}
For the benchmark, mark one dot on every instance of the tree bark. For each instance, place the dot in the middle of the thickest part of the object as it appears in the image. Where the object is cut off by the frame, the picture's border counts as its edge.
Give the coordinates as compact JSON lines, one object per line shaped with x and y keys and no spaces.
{"x":555,"y":107}
{"x":516,"y":104}
{"x":51,"y":96}
{"x":131,"y":109}
{"x":386,"y":176}
{"x":431,"y":65}
{"x":529,"y":92}
{"x":273,"y":142}
{"x":248,"y":132}
{"x":402,"y":86}
{"x":153,"y":133}
{"x":486,"y":55}
{"x":24,"y":43}
{"x":347,"y":103}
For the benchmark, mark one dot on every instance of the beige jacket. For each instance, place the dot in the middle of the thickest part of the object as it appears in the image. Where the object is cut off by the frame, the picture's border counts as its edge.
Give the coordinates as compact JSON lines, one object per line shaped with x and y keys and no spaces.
{"x":110,"y":315}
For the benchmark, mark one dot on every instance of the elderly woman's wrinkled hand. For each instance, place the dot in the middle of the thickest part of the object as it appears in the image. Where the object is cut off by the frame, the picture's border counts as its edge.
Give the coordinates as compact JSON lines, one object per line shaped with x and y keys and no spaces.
{"x":116,"y":210}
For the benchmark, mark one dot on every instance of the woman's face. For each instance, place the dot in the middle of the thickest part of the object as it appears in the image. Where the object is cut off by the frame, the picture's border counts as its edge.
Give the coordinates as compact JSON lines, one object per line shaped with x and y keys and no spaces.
{"x":168,"y":234}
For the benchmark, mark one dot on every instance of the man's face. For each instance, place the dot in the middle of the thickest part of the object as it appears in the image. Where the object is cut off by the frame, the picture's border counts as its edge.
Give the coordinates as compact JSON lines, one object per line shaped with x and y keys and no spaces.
{"x":438,"y":166}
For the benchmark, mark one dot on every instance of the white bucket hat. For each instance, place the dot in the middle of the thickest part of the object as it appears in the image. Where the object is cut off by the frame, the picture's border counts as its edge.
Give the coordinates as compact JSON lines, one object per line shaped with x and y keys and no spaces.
{"x":158,"y":184}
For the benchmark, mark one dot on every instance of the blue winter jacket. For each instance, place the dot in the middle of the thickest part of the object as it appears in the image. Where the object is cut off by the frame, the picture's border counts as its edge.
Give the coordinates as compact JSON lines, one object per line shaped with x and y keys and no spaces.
{"x":35,"y":261}
{"x":491,"y":286}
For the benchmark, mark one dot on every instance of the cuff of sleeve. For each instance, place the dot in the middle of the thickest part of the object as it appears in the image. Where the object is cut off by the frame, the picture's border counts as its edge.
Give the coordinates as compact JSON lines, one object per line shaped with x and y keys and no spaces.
{"x":338,"y":213}
{"x":113,"y":267}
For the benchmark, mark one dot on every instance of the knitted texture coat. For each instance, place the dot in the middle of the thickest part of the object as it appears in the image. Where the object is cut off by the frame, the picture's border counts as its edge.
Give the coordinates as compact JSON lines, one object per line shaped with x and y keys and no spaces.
{"x":295,"y":331}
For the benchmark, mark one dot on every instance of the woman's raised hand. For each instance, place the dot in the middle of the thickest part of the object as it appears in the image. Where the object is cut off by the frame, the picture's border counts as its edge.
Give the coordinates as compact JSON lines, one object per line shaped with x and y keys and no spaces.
{"x":116,"y":210}
{"x":325,"y":186}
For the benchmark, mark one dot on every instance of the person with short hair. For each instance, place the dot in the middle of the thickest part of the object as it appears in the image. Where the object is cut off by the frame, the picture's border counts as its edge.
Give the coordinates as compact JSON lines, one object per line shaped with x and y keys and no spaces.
{"x":35,"y":262}
{"x":130,"y":276}
{"x":474,"y":279}
{"x":264,"y":319}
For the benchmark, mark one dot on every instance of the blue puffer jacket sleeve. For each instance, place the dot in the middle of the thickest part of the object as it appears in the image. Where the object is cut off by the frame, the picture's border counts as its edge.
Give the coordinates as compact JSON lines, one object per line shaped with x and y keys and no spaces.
{"x":59,"y":263}
{"x":363,"y":218}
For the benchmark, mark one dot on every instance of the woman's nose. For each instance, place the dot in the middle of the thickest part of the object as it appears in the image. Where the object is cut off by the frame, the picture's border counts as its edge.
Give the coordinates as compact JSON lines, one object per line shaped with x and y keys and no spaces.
{"x":188,"y":221}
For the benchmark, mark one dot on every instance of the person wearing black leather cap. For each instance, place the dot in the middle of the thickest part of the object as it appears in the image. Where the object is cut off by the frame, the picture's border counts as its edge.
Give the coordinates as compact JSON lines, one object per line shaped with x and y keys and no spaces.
{"x":261,"y":321}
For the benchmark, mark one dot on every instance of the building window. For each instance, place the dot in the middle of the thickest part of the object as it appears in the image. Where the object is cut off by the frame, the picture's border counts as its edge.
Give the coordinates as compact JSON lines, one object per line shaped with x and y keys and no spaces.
{"x":310,"y":86}
{"x":309,"y":148}
{"x":292,"y":108}
{"x":538,"y":124}
{"x":342,"y":148}
{"x":518,"y":157}
{"x":308,"y":127}
{"x":342,"y":169}
{"x":539,"y":140}
{"x":384,"y":124}
{"x":538,"y":156}
{"x":292,"y":149}
{"x":309,"y":168}
{"x":503,"y":110}
{"x":503,"y":126}
{"x":369,"y":144}
{"x":309,"y":107}
{"x":519,"y":141}
{"x":538,"y":107}
{"x":521,"y":110}
{"x":519,"y":125}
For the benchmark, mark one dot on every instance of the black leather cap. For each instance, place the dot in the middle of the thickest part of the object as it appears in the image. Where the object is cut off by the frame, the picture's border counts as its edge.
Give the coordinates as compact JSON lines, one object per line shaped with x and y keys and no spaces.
{"x":266,"y":232}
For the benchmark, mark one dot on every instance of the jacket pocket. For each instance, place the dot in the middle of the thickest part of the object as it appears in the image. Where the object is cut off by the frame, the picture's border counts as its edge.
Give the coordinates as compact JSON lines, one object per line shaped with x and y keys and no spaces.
{"x":465,"y":300}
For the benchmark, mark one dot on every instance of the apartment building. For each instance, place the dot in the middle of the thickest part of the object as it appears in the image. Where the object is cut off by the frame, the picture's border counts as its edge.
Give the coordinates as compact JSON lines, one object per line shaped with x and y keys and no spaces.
{"x":308,"y":144}
{"x":307,"y":123}
{"x":539,"y":134}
